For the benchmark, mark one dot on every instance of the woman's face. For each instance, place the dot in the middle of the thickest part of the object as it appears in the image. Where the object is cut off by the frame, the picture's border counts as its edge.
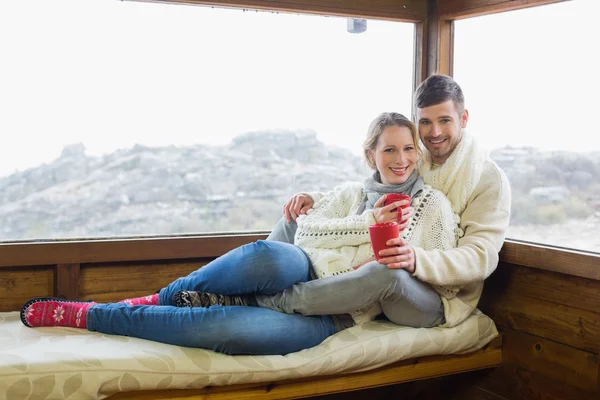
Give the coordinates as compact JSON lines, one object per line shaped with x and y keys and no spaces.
{"x":395,"y":155}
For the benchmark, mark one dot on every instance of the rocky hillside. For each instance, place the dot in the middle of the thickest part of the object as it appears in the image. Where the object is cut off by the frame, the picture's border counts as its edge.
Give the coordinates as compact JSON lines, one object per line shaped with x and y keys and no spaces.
{"x":164,"y":190}
{"x":242,"y":186}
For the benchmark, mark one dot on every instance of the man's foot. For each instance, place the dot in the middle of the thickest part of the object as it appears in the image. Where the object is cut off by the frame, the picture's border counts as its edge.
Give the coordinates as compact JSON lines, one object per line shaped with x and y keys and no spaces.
{"x":53,"y":311}
{"x":151,"y":300}
{"x":188,"y":298}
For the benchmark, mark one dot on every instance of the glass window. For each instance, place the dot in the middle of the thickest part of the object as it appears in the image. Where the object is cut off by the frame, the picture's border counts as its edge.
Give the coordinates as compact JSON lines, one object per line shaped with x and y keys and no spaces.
{"x":128,"y":118}
{"x":531,"y":87}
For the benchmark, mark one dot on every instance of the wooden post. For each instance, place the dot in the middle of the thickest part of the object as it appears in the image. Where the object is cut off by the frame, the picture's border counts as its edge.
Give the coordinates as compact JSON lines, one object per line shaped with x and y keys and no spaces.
{"x":440,"y":41}
{"x":66,"y":281}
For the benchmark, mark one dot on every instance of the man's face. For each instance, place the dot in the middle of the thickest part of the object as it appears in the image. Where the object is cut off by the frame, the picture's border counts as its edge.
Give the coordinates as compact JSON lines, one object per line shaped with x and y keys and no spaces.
{"x":440,"y":129}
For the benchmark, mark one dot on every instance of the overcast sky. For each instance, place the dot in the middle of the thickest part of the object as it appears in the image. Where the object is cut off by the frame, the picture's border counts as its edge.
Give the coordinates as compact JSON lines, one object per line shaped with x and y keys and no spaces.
{"x":111,"y":74}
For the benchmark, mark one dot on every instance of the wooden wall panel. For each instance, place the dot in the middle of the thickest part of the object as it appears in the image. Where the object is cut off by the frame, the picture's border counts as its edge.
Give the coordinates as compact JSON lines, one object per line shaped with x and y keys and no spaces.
{"x":513,"y":383}
{"x":66,"y":281}
{"x":545,"y":304}
{"x":551,"y":327}
{"x":20,"y":285}
{"x":569,"y":290}
{"x":114,"y":282}
{"x":406,"y":10}
{"x":506,"y":382}
{"x":572,"y":326}
{"x":429,"y":389}
{"x":556,"y":361}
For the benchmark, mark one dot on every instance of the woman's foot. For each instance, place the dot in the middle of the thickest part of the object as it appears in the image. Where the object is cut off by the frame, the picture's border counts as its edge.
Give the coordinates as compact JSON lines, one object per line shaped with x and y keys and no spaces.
{"x":188,"y":298}
{"x":53,"y":311}
{"x":151,"y":300}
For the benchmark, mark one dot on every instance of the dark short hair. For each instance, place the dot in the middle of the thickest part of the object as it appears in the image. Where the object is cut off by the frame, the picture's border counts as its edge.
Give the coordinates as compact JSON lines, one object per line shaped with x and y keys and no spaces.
{"x":438,"y":89}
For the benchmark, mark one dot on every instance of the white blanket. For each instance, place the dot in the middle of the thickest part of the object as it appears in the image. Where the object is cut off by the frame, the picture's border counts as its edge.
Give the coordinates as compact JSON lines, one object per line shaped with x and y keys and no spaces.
{"x":59,"y":363}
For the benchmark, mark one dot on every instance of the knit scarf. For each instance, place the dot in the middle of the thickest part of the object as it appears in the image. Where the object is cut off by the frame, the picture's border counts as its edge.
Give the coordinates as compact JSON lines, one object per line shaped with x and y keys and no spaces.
{"x":375,"y":189}
{"x":459,"y":175}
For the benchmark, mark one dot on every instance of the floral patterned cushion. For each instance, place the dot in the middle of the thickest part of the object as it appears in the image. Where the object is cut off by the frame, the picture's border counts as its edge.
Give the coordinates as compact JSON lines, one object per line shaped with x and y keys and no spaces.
{"x":59,"y":363}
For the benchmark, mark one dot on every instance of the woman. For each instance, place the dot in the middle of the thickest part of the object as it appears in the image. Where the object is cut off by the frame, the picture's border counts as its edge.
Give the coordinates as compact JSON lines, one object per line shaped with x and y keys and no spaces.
{"x":263,"y":273}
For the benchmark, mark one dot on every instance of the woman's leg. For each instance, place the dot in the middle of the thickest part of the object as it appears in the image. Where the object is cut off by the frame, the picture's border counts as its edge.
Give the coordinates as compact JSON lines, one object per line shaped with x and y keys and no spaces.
{"x":259,"y":267}
{"x":283,"y":231}
{"x":229,"y":330}
{"x":404,"y":299}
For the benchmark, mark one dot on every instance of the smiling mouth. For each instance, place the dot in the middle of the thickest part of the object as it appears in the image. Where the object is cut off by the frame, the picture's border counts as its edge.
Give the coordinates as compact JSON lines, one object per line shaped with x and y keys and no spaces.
{"x":399,"y":171}
{"x":437,"y":142}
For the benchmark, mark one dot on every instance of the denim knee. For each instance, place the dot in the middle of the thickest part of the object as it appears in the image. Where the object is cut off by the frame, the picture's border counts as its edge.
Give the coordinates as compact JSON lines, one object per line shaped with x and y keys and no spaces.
{"x":279,"y":262}
{"x":273,"y":253}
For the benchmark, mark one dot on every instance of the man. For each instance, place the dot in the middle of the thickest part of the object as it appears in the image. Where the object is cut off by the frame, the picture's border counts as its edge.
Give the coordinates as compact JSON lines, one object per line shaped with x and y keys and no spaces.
{"x":477,"y":188}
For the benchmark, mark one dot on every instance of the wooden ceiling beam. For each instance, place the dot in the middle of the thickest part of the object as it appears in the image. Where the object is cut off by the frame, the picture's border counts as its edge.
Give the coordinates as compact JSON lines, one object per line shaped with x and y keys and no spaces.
{"x":405,"y":10}
{"x":459,"y":9}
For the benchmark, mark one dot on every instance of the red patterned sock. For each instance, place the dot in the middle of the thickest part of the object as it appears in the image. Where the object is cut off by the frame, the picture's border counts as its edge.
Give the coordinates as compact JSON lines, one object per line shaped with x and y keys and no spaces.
{"x":151,"y":300}
{"x":51,"y":311}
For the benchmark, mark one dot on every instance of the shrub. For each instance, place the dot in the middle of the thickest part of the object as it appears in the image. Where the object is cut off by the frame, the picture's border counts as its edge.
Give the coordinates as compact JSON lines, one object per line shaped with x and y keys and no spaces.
{"x":550,"y":214}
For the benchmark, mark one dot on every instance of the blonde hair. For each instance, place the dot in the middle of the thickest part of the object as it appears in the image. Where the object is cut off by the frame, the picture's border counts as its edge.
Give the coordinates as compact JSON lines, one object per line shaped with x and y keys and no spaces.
{"x":377,"y":127}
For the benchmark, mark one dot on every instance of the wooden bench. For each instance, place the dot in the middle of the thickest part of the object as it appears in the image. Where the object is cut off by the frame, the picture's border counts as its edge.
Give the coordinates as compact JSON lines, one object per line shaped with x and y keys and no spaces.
{"x":114,"y":269}
{"x":400,"y":372}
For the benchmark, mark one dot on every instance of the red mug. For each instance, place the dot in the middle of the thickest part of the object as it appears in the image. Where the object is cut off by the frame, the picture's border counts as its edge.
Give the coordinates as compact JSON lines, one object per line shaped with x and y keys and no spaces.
{"x":393,"y":197}
{"x":381,"y":233}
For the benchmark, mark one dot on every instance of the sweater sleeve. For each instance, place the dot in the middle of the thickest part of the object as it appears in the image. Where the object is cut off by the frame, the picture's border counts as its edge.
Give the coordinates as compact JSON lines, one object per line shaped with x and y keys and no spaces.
{"x":316,"y":196}
{"x":332,"y":221}
{"x":442,"y":224}
{"x":484,"y":223}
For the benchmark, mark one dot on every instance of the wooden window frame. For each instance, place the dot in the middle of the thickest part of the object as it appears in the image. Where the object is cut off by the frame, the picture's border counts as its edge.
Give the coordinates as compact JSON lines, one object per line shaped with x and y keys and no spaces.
{"x":442,"y":15}
{"x":460,"y":9}
{"x":433,"y":47}
{"x":393,"y":10}
{"x":68,"y":253}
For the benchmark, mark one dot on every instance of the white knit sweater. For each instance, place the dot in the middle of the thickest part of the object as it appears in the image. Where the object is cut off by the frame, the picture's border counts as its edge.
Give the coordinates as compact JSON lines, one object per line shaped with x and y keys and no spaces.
{"x":480,"y":194}
{"x":335,"y":238}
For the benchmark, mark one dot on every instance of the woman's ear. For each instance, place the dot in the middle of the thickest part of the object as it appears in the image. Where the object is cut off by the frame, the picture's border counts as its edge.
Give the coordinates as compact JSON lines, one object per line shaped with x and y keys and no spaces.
{"x":370,"y":158}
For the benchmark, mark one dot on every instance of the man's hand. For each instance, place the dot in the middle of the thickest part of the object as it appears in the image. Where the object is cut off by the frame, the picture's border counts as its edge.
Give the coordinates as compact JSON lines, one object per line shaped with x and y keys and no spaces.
{"x":400,"y":256}
{"x":298,"y":204}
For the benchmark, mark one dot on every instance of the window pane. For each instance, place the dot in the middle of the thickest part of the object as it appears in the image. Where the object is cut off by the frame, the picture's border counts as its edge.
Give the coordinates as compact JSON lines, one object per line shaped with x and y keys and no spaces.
{"x":126,"y":118}
{"x":532,"y":92}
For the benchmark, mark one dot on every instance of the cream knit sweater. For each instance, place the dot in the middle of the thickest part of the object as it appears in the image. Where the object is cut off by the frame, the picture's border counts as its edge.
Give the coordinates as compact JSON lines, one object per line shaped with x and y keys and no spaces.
{"x":480,"y":194}
{"x":335,"y":238}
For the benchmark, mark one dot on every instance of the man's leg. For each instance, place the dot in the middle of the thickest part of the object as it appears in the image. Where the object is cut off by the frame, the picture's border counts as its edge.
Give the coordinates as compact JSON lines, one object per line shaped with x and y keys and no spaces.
{"x":263,"y":267}
{"x":283,"y":232}
{"x":404,"y":299}
{"x":229,"y":330}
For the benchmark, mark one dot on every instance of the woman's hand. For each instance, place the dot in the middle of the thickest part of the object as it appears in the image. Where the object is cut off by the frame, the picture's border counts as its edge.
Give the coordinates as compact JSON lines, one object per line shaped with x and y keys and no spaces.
{"x":406,"y":214}
{"x":401,"y":256}
{"x":298,"y":204}
{"x":366,"y":262}
{"x":385,"y":214}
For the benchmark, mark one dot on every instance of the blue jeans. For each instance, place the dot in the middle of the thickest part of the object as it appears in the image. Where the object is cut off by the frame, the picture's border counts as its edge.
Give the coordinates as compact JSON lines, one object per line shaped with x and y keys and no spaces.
{"x":404,"y":299}
{"x":260,"y":267}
